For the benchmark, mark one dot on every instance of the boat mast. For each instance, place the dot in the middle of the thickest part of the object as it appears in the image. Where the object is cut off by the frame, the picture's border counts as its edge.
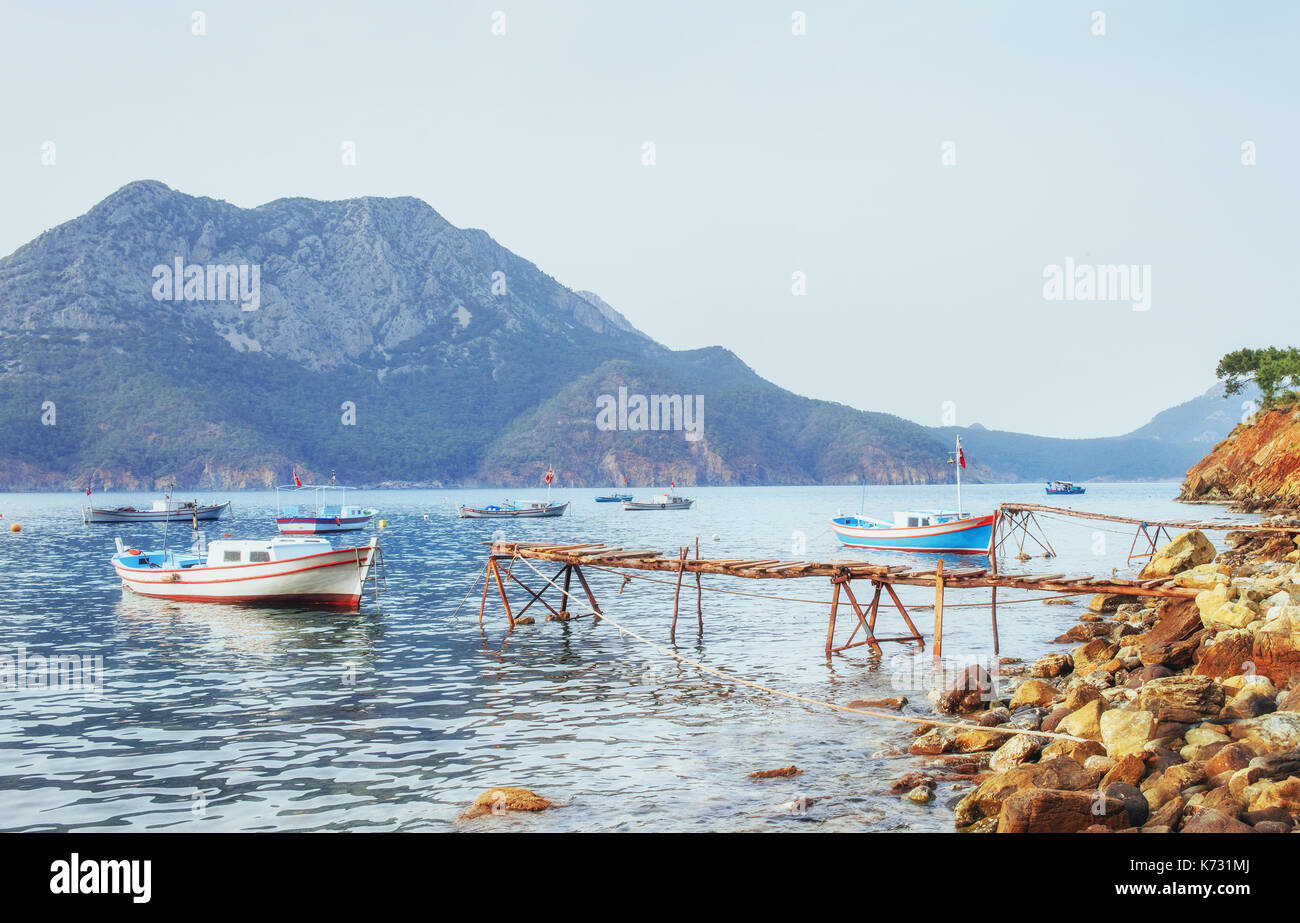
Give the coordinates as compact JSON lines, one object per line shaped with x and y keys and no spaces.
{"x":958,"y":460}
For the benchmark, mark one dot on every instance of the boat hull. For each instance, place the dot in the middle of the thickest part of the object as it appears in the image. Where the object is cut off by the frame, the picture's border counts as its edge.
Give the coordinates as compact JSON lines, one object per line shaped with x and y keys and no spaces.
{"x":1066,"y":493}
{"x":963,"y":536}
{"x":640,"y":505}
{"x":202,"y":513}
{"x":614,"y":499}
{"x":331,"y":579}
{"x":469,"y":512}
{"x":311,"y":525}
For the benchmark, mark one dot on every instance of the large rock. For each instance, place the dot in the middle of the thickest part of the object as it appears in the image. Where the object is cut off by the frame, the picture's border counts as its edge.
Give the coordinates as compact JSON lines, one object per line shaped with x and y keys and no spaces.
{"x":1040,"y":810}
{"x":1186,"y":551}
{"x":1220,"y":612}
{"x":1034,"y":693}
{"x":1229,"y":759}
{"x":1093,"y":656}
{"x":1277,"y":656}
{"x":1051,"y":665}
{"x":1208,"y":820}
{"x":1021,"y":748}
{"x":1084,"y":722}
{"x":1275,"y":732}
{"x":1129,"y":768}
{"x":978,"y":740}
{"x":1284,"y":795}
{"x":1173,"y":639}
{"x":986,"y":800}
{"x":1124,"y":732}
{"x":505,"y":798}
{"x":1204,"y":576}
{"x":1227,"y":654}
{"x":968,"y":692}
{"x":1185,"y":699}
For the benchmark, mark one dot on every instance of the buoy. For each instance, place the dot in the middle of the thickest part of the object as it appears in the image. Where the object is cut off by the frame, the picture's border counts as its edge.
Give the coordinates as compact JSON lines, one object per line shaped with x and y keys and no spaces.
{"x":15,"y":528}
{"x":716,"y":538}
{"x":383,"y":523}
{"x":133,"y":551}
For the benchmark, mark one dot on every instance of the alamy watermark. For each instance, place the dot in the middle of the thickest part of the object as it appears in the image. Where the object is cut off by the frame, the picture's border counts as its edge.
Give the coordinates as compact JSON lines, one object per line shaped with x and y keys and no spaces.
{"x":1086,"y":282}
{"x":56,"y":672}
{"x":240,"y":282}
{"x":651,"y":413}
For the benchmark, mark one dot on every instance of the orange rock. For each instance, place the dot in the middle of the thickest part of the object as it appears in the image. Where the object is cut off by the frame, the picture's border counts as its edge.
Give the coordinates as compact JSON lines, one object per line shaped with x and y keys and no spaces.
{"x":784,"y":772}
{"x":506,"y":798}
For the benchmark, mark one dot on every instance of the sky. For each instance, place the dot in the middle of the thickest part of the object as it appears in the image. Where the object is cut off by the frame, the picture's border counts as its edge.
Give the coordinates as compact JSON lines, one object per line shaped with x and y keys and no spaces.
{"x":864,"y":201}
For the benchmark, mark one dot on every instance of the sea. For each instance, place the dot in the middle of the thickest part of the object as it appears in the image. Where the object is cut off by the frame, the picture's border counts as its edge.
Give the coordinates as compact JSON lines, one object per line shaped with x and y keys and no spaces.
{"x":120,"y":713}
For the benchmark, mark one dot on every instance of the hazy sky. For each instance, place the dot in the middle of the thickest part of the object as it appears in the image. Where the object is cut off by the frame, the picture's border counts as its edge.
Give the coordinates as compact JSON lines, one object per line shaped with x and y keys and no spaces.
{"x":775,"y":153}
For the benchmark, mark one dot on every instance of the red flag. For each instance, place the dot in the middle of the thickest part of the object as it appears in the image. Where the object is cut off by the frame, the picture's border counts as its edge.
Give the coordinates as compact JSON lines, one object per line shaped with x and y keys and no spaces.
{"x":673,"y":482}
{"x":550,"y":476}
{"x":87,"y":490}
{"x":296,"y":481}
{"x":961,"y":458}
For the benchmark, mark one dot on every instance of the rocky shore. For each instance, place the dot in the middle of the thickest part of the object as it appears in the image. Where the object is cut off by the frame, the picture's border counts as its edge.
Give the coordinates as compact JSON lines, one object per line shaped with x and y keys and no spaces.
{"x":1182,"y":711}
{"x":1256,"y":468}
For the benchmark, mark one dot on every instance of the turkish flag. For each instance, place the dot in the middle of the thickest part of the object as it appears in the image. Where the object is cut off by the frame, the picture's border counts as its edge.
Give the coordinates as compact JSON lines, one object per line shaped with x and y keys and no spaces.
{"x":87,"y":490}
{"x":296,"y":481}
{"x":961,"y":458}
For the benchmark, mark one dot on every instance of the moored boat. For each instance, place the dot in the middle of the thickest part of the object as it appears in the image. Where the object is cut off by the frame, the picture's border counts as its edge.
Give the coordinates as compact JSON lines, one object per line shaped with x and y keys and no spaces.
{"x":534,"y":509}
{"x":924,"y":531}
{"x":614,"y":498}
{"x":162,"y":511}
{"x":276,"y":572}
{"x":310,"y":509}
{"x":1064,"y":487}
{"x":661,"y":502}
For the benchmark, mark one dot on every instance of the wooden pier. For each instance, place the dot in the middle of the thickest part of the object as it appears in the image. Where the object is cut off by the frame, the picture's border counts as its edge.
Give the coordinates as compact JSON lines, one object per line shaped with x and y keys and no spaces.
{"x":1018,"y":522}
{"x":878,"y":579}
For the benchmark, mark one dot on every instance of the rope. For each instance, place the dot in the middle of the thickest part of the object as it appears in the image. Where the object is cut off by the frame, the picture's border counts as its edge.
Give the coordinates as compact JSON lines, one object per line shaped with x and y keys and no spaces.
{"x":472,"y":587}
{"x":819,"y":602}
{"x":731,"y":678}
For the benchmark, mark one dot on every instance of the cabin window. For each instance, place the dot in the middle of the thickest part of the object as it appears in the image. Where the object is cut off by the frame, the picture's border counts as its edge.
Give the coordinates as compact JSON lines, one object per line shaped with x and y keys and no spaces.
{"x":925,"y":522}
{"x":229,"y":556}
{"x":259,"y":557}
{"x":912,"y":522}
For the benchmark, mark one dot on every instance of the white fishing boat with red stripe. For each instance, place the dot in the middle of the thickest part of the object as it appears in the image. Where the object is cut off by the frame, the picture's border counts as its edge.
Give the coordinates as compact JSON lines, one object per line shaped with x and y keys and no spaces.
{"x":277,"y":572}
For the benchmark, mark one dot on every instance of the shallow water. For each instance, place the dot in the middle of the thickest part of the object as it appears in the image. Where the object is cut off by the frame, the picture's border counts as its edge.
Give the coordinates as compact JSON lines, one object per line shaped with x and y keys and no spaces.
{"x":222,"y":718}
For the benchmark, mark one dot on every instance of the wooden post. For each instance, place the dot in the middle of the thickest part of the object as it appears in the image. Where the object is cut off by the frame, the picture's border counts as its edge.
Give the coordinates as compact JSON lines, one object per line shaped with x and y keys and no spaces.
{"x":496,"y":571}
{"x":830,"y":629}
{"x":699,"y":593}
{"x":681,"y":569}
{"x":938,"y":609}
{"x":487,"y":578}
{"x":591,"y":598}
{"x":995,"y":620}
{"x":564,"y":597}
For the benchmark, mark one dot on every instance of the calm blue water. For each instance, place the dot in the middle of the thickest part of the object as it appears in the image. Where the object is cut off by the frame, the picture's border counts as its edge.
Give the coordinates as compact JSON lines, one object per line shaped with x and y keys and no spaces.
{"x":222,"y":719}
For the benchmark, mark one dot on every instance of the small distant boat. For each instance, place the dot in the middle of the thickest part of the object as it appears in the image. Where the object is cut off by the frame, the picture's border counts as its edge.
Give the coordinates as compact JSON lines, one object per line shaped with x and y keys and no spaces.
{"x":537,"y":509}
{"x":1065,"y":487}
{"x":614,"y":498}
{"x":925,"y":531}
{"x":661,"y":502}
{"x":310,"y":509}
{"x":278,"y":572}
{"x":162,"y":511}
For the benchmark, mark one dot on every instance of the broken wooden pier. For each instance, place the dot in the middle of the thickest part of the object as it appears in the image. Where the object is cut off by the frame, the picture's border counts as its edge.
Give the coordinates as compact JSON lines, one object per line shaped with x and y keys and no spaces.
{"x":878,"y":579}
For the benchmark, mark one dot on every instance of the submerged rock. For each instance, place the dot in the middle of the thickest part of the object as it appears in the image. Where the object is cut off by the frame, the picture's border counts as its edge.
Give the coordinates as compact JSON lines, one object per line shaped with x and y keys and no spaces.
{"x":504,"y":799}
{"x":784,"y":772}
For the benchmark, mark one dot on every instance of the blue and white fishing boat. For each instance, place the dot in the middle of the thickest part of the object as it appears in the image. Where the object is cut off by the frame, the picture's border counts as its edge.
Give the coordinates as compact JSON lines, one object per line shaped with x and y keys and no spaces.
{"x":1064,"y":487}
{"x":614,"y":498}
{"x":924,"y":531}
{"x":310,"y":509}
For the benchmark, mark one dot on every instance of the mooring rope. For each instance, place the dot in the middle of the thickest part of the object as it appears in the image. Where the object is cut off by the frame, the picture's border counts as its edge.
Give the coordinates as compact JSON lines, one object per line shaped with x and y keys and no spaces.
{"x":472,"y":587}
{"x":820,"y":602}
{"x":731,"y":678}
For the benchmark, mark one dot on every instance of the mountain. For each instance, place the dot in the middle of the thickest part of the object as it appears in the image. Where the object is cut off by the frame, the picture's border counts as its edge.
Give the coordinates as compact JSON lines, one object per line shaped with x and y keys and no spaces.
{"x":1165,"y":448}
{"x":163,"y":337}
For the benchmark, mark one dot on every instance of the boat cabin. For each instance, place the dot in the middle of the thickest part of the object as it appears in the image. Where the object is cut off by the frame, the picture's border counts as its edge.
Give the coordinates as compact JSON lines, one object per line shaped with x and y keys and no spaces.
{"x":917,"y":519}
